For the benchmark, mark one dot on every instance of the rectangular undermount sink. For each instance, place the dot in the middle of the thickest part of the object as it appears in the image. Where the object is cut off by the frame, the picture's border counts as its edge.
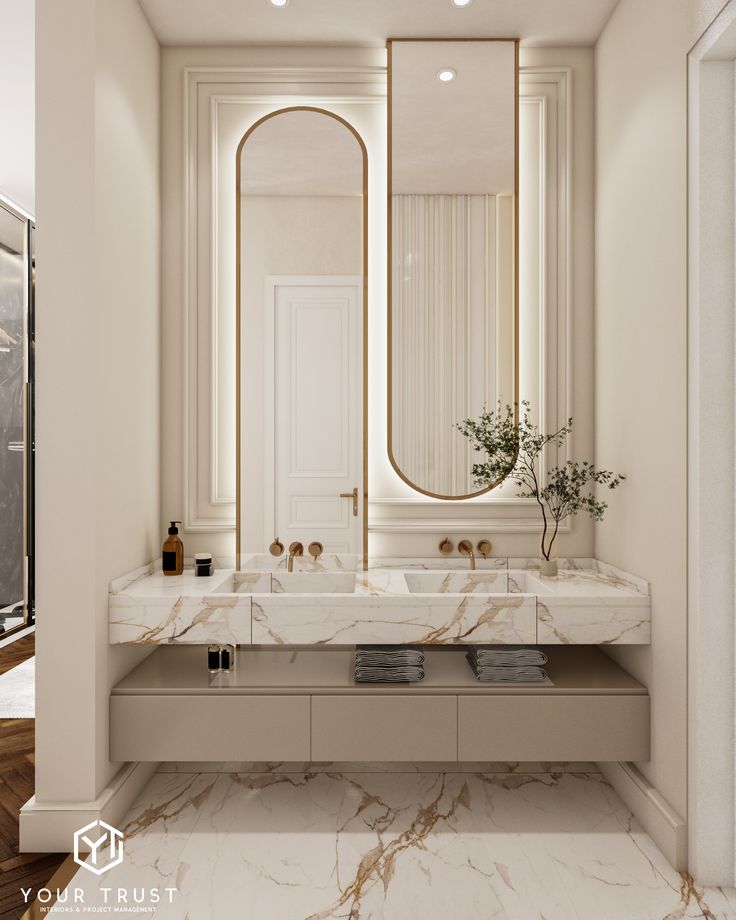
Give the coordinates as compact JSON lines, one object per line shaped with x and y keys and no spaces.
{"x":313,"y":583}
{"x":477,"y":582}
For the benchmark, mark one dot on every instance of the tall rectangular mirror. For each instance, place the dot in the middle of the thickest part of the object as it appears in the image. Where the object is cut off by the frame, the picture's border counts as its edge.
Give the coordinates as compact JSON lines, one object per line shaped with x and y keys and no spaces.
{"x":452,"y":250}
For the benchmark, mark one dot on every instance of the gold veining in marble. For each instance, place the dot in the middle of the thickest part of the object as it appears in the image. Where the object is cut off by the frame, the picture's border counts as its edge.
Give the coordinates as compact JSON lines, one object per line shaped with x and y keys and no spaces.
{"x":326,"y":844}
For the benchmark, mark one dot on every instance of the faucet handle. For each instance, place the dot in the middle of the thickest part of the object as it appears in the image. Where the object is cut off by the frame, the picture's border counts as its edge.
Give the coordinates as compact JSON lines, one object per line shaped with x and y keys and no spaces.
{"x":276,"y":548}
{"x":315,"y":550}
{"x":446,"y":546}
{"x":484,"y":548}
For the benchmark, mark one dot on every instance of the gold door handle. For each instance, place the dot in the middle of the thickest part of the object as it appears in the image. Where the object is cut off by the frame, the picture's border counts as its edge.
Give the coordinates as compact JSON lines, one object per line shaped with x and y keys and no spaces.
{"x":354,"y":496}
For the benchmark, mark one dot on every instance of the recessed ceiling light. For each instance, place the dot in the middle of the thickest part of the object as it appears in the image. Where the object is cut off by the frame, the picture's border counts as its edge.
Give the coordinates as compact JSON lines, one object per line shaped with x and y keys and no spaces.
{"x":279,"y":3}
{"x":461,"y":2}
{"x":446,"y":75}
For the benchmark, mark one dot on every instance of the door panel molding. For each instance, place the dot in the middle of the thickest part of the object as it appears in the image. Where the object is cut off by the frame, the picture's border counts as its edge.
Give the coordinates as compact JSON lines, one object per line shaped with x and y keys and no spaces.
{"x":338,"y":515}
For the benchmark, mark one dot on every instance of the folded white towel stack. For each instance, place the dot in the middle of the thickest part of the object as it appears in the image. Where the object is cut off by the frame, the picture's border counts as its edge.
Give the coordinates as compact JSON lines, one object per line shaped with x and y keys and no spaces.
{"x":388,"y":664}
{"x":507,"y":664}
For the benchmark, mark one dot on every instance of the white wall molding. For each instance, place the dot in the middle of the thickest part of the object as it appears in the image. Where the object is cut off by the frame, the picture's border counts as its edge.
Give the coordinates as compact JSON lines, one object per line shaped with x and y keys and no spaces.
{"x":711,"y":434}
{"x":48,"y":827}
{"x":663,"y":824}
{"x":402,"y":515}
{"x":499,"y":515}
{"x":208,"y":267}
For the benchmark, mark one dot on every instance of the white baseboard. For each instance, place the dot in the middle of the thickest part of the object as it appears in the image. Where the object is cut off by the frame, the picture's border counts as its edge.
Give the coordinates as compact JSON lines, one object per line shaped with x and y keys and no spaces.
{"x":666,"y":828}
{"x":15,"y":636}
{"x":48,"y":827}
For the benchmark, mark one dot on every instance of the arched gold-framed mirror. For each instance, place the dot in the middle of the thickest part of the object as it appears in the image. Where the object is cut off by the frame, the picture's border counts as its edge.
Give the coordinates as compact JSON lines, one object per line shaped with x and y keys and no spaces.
{"x":302,"y":333}
{"x":453,"y":244}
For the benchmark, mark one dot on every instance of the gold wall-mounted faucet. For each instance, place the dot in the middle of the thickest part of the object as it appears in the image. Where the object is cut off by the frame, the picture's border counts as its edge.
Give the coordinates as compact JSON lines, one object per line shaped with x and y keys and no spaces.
{"x":295,"y":549}
{"x":466,"y":548}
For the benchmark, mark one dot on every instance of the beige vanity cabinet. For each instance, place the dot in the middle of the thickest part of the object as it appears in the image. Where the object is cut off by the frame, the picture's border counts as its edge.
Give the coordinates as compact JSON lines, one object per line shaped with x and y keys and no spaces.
{"x":301,"y":705}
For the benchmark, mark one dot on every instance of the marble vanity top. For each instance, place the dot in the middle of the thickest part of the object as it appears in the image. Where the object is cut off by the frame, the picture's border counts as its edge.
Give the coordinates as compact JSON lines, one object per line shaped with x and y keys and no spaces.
{"x":432,"y":601}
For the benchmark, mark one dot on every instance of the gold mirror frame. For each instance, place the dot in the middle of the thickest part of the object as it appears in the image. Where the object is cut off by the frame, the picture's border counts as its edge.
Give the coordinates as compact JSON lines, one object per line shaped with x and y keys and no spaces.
{"x":238,"y":233}
{"x":389,"y":234}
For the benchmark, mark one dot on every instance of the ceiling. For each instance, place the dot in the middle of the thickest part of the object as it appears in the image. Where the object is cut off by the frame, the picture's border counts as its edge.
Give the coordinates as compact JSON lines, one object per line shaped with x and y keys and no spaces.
{"x":371,"y":22}
{"x":301,"y":153}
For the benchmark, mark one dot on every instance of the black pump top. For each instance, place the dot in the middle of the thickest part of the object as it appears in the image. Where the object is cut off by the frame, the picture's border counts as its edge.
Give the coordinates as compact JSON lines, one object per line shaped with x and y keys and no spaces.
{"x":174,"y":529}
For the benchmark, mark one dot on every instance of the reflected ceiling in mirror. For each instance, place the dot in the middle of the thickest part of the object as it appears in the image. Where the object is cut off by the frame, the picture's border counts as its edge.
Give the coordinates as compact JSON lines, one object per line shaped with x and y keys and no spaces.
{"x":453,"y":200}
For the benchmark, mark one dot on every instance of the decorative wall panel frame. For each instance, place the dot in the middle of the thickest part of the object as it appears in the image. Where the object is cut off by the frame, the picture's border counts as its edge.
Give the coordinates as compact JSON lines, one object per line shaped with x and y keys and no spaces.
{"x":207,"y":91}
{"x":208,"y":499}
{"x":547,"y":91}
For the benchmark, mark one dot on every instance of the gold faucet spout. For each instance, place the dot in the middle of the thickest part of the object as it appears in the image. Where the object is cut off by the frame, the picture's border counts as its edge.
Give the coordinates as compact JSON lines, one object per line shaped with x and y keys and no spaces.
{"x":466,"y":548}
{"x":295,"y":549}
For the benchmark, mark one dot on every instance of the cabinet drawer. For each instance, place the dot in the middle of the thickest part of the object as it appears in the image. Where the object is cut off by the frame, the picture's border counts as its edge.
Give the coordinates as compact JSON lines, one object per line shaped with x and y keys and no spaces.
{"x":181,"y":727}
{"x":576,"y":727}
{"x":391,"y":728}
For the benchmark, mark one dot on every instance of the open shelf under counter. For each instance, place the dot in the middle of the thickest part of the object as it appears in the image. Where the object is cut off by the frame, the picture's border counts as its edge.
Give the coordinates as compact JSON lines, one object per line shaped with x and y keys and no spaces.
{"x":177,"y":670}
{"x":301,"y":704}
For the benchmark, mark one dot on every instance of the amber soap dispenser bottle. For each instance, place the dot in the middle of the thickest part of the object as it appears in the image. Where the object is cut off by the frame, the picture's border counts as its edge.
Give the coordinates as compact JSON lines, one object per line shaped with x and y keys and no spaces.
{"x":173,"y":552}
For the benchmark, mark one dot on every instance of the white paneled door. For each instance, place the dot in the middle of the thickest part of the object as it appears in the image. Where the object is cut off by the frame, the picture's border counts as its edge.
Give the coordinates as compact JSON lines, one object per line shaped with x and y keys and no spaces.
{"x":314,"y":415}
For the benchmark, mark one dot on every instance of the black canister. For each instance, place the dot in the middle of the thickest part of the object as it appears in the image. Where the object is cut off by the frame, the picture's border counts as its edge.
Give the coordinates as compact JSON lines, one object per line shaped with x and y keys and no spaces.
{"x":214,"y":659}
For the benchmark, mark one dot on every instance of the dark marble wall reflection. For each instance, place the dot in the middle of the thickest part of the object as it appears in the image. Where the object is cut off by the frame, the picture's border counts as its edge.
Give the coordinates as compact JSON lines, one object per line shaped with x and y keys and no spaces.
{"x":12,"y":282}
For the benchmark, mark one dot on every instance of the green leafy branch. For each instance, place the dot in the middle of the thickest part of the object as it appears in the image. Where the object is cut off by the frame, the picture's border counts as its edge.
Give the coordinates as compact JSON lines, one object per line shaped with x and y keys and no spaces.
{"x":512,"y":448}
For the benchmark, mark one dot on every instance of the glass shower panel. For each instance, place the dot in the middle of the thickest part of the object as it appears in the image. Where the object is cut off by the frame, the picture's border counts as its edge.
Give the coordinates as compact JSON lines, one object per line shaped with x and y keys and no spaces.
{"x":13,"y":285}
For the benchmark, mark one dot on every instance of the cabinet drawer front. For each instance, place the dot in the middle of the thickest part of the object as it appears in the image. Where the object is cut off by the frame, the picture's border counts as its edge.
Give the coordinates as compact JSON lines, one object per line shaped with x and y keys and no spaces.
{"x":389,"y":728}
{"x":180,"y":727}
{"x":544,"y":728}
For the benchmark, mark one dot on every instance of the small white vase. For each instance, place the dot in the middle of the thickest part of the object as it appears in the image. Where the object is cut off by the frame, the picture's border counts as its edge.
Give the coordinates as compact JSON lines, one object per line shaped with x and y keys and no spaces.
{"x":548,"y":567}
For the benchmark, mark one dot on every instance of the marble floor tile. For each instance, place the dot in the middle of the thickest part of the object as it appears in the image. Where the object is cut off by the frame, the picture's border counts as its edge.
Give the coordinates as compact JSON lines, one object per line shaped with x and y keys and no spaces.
{"x":328,"y":844}
{"x":157,"y":828}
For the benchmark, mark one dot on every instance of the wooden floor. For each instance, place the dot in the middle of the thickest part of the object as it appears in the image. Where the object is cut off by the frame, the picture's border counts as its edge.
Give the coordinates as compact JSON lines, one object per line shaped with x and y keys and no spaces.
{"x":17,"y":744}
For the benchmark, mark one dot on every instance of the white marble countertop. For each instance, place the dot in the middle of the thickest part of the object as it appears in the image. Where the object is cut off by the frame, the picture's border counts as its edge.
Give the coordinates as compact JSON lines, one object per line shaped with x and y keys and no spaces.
{"x":432,"y":601}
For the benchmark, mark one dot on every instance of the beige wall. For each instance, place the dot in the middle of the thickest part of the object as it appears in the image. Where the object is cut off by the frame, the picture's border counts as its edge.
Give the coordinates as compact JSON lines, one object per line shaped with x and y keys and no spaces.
{"x":98,"y":366}
{"x":700,"y":14}
{"x":640,"y":345}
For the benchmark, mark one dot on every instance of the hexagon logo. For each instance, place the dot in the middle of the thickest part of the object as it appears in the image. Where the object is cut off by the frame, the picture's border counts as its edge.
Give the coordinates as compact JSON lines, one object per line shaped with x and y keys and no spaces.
{"x":105,"y":845}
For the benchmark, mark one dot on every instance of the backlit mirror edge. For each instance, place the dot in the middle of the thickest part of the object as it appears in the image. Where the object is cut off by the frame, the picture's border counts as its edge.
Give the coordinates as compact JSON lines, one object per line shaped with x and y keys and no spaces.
{"x":389,"y":249}
{"x":364,"y":325}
